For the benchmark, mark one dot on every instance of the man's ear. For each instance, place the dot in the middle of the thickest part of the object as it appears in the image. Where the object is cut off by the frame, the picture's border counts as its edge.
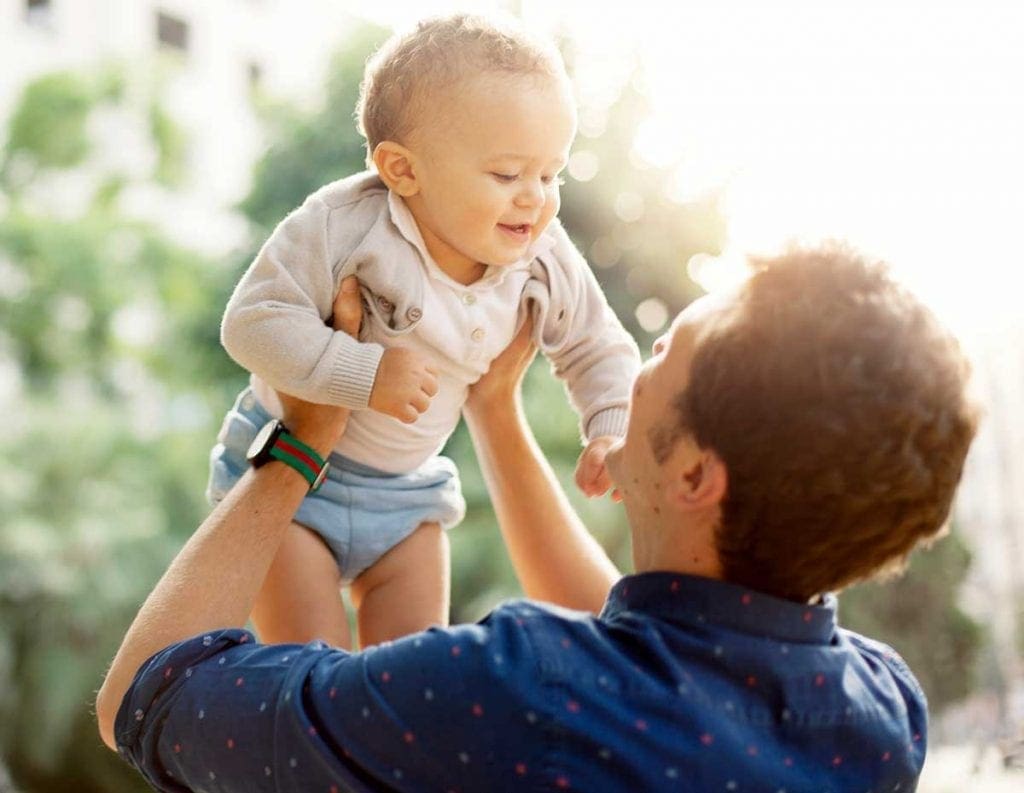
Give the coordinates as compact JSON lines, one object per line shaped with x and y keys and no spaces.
{"x":701,"y":482}
{"x":395,"y":164}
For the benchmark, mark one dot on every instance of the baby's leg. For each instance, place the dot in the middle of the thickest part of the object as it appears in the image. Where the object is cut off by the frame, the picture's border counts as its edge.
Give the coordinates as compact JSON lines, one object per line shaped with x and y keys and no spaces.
{"x":301,"y":595}
{"x":407,"y":589}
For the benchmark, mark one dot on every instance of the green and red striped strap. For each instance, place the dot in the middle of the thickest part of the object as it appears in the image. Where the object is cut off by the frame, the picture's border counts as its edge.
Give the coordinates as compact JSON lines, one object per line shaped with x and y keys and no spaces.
{"x":291,"y":451}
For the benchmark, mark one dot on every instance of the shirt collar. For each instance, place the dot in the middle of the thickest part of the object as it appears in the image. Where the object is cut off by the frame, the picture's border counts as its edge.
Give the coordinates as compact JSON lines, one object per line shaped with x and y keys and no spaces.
{"x":404,"y":221}
{"x":709,"y":603}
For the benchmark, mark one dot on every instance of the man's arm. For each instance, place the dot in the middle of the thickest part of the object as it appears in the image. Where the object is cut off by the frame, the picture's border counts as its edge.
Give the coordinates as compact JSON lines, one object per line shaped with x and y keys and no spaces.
{"x":215,"y":578}
{"x":555,"y":557}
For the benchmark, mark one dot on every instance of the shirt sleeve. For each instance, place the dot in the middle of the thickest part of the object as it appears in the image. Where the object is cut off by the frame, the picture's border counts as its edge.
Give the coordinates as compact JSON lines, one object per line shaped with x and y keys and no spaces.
{"x":443,"y":709}
{"x":274,"y":324}
{"x":588,"y":347}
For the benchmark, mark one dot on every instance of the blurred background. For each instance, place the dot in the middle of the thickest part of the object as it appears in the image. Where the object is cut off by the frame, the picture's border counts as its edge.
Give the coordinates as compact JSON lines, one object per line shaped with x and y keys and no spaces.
{"x":148,"y":147}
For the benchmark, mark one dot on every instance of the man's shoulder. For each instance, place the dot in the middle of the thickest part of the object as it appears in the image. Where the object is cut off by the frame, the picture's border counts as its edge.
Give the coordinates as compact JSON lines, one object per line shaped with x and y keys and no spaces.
{"x":882,"y":661}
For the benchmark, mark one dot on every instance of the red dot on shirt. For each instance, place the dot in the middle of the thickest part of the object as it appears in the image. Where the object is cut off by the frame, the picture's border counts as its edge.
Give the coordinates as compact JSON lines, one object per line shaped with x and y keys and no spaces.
{"x":566,"y":643}
{"x":167,"y":672}
{"x":231,"y":743}
{"x":562,"y":783}
{"x":478,"y":709}
{"x":751,"y":681}
{"x":808,"y":616}
{"x":745,"y":600}
{"x":674,"y":586}
{"x":332,"y":693}
{"x":837,"y":760}
{"x":177,"y":748}
{"x":240,"y":681}
{"x":917,"y":736}
{"x":788,"y":761}
{"x":409,"y":737}
{"x":641,"y":725}
{"x":886,"y":756}
{"x":334,"y":789}
{"x":819,"y":680}
{"x":456,"y":650}
{"x":385,"y":677}
{"x":311,"y":730}
{"x":521,"y":769}
{"x":752,"y":751}
{"x":572,"y":706}
{"x":707,"y":739}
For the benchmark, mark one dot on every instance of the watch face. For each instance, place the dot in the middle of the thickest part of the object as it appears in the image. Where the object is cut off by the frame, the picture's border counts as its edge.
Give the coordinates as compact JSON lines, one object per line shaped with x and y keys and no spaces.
{"x":259,"y":449}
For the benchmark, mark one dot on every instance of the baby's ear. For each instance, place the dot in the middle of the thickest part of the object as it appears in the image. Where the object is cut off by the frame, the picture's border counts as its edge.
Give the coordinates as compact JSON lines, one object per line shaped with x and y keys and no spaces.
{"x":394,"y":163}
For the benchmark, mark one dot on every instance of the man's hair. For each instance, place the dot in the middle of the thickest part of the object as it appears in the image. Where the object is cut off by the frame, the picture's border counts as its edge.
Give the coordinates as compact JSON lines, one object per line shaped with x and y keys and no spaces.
{"x":410,"y":71}
{"x":839,"y":406}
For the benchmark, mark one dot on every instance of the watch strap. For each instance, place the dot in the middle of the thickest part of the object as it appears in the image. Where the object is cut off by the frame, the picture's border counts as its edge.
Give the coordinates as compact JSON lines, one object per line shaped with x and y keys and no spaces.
{"x":293,"y":452}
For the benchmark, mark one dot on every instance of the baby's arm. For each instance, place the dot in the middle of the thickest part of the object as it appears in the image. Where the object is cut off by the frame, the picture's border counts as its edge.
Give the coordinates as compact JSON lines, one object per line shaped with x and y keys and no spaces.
{"x":274,"y":327}
{"x":592,"y":352}
{"x":274,"y":322}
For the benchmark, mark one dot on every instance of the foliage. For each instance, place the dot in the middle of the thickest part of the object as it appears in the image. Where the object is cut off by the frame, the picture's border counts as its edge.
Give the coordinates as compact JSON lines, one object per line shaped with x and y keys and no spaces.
{"x":918,"y":615}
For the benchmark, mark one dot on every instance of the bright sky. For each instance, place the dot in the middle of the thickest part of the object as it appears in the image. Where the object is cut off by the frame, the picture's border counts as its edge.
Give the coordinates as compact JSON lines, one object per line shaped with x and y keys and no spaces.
{"x":897,"y":125}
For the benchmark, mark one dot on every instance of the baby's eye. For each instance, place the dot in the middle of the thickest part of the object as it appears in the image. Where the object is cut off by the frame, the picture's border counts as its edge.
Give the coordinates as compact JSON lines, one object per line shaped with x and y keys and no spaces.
{"x":504,"y":177}
{"x":558,"y":179}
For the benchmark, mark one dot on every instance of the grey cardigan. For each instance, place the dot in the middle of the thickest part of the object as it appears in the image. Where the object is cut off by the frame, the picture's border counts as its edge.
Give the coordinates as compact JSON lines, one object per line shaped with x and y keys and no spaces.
{"x":274,"y":324}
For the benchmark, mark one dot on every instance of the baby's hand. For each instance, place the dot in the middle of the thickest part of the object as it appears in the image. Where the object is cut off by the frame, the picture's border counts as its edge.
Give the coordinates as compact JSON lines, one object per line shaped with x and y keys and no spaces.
{"x":404,"y":385}
{"x":591,"y":475}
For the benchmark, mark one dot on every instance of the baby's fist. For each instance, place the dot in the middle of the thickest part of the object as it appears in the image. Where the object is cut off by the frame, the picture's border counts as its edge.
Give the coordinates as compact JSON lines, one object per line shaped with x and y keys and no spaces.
{"x":591,"y":475}
{"x":404,"y":385}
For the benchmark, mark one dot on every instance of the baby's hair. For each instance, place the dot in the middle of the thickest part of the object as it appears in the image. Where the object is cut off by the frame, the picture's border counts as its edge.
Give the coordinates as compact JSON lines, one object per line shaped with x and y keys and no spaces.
{"x":410,"y":68}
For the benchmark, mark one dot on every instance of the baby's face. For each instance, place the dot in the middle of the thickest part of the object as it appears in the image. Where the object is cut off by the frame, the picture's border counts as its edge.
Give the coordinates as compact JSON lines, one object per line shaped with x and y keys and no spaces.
{"x":488,"y":168}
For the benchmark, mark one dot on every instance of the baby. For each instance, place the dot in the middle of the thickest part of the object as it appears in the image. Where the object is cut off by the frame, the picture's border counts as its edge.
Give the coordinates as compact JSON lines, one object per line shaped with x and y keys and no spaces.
{"x":453,"y":237}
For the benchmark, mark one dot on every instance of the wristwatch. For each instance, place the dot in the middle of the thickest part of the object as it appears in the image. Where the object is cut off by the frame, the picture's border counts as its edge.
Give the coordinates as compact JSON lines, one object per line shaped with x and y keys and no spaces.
{"x":274,"y":442}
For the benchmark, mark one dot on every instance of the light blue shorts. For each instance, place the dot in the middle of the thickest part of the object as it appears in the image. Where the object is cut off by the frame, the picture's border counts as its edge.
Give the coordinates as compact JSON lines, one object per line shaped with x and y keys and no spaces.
{"x":360,"y":512}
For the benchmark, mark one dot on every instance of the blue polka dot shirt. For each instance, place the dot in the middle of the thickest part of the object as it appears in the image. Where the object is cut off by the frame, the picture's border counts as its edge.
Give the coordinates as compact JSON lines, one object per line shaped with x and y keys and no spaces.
{"x":681,"y":684}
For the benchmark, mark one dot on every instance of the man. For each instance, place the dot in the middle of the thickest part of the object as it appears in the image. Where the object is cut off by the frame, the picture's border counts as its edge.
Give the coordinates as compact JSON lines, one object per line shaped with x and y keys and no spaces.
{"x":785,"y":440}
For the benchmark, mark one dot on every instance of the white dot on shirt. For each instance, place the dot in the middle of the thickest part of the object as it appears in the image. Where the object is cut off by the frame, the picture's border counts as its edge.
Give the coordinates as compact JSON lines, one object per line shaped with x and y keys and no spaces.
{"x":730,"y":785}
{"x":729,"y":705}
{"x":212,"y":775}
{"x":207,"y":641}
{"x":366,"y":713}
{"x":718,"y":649}
{"x":284,"y":660}
{"x":222,"y":660}
{"x":463,"y":758}
{"x":263,"y":706}
{"x":497,"y":658}
{"x":188,"y":672}
{"x":605,"y":754}
{"x":287,"y":696}
{"x":139,"y":715}
{"x":397,"y":773}
{"x":293,"y":762}
{"x":672,"y":773}
{"x":682,"y":689}
{"x":202,"y":714}
{"x":785,"y":649}
{"x":785,"y":714}
{"x":267,"y":771}
{"x":531,"y":717}
{"x":417,"y":643}
{"x":428,"y":694}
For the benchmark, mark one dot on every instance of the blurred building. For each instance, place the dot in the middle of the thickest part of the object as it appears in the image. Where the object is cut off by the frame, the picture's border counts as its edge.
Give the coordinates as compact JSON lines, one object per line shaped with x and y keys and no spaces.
{"x":990,"y":504}
{"x":212,"y":56}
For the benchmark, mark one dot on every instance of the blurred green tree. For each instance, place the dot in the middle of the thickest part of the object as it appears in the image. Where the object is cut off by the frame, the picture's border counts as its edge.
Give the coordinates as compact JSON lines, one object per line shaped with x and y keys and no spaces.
{"x":918,"y":615}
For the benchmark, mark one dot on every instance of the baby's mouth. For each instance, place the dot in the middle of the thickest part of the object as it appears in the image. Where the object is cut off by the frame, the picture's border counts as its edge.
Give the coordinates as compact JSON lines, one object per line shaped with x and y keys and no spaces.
{"x":521,"y":229}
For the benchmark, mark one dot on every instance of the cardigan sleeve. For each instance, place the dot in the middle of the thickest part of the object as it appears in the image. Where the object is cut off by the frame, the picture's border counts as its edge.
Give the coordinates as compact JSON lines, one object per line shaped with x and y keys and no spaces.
{"x":275,"y":322}
{"x":578,"y":331}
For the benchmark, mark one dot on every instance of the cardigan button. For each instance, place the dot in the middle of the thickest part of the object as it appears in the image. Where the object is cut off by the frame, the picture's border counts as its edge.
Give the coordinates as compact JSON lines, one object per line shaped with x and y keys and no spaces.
{"x":413,"y":314}
{"x":384,"y":303}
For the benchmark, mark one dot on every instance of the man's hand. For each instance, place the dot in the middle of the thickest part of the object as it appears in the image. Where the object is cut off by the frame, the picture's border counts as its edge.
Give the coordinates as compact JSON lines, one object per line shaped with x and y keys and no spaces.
{"x":591,"y":474}
{"x":300,"y":415}
{"x":404,"y":385}
{"x":499,"y":385}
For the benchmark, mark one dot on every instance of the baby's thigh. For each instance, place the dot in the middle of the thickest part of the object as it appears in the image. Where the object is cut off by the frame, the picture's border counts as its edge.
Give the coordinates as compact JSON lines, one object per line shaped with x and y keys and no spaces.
{"x":407,"y":590}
